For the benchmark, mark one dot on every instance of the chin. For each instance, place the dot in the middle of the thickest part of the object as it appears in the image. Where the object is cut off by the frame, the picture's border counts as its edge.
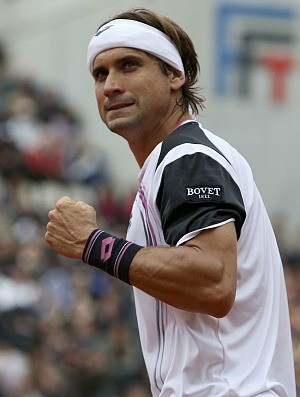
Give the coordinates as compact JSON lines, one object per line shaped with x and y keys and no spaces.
{"x":123,"y":125}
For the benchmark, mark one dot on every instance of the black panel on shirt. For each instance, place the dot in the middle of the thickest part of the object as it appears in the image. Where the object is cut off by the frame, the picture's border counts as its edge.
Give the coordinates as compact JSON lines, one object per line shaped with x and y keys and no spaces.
{"x":196,"y":192}
{"x":187,"y":133}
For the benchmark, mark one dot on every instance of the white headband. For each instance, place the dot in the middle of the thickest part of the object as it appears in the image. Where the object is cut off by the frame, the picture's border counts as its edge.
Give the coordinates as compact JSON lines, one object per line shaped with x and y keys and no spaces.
{"x":133,"y":34}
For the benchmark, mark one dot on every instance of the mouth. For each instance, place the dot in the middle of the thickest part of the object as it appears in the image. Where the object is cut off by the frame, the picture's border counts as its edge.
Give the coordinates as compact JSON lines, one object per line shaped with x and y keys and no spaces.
{"x":118,"y":105}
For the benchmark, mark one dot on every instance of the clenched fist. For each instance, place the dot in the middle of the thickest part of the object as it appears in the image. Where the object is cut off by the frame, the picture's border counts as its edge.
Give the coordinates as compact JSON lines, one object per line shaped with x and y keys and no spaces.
{"x":69,"y":227}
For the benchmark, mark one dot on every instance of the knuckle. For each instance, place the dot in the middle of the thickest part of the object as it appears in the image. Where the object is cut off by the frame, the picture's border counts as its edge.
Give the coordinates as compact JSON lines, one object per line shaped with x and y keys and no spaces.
{"x":63,"y":201}
{"x":60,"y":204}
{"x":82,"y":204}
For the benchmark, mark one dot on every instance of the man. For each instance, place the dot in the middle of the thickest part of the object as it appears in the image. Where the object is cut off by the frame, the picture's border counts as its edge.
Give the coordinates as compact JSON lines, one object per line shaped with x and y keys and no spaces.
{"x":200,"y":251}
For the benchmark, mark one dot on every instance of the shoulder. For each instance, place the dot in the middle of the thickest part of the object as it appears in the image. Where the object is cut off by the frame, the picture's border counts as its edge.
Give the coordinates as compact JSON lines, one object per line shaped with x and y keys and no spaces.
{"x":189,"y":133}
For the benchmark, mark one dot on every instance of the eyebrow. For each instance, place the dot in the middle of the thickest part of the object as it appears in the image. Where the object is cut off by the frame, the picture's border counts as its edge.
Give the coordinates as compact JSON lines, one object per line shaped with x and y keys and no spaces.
{"x":119,"y":61}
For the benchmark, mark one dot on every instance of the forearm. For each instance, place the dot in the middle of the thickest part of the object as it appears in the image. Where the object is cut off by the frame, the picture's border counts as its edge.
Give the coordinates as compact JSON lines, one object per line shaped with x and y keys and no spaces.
{"x":199,"y":276}
{"x":184,"y":277}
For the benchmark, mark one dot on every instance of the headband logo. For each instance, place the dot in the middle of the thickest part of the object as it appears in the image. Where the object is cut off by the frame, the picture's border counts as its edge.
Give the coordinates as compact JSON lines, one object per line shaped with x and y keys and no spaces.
{"x":103,"y":30}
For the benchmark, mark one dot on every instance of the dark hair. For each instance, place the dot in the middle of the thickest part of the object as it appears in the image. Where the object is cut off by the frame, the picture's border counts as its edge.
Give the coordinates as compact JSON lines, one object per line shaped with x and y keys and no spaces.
{"x":190,"y":96}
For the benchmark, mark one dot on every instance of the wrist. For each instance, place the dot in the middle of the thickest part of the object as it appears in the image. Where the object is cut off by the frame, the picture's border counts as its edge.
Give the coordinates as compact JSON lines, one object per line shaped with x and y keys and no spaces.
{"x":110,"y":254}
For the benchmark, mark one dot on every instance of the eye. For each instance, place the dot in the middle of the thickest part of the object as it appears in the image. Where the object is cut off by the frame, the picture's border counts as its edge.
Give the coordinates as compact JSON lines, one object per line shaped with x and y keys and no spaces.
{"x":100,"y":74}
{"x":130,"y":65}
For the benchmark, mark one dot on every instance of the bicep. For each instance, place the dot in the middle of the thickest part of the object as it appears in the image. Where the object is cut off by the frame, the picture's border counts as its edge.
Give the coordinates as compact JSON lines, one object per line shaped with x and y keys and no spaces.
{"x":217,"y":252}
{"x":220,"y":242}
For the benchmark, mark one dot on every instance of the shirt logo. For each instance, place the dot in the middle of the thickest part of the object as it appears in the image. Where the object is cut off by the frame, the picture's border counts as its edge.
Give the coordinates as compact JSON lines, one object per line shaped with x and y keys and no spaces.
{"x":204,"y":193}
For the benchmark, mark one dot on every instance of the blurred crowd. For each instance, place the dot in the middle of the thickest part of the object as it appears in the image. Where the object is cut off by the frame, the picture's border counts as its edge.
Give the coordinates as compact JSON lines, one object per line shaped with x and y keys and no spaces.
{"x":67,"y":329}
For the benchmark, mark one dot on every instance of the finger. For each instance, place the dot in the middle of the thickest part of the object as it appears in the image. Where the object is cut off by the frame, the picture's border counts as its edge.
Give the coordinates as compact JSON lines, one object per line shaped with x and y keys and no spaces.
{"x":48,"y":237}
{"x":52,"y":214}
{"x":49,"y":225}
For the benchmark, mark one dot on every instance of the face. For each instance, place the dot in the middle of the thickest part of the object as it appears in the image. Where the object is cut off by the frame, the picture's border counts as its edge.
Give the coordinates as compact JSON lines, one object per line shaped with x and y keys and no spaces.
{"x":132,"y":92}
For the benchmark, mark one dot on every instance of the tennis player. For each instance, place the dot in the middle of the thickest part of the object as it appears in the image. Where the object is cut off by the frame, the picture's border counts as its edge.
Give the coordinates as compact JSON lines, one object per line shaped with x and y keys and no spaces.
{"x":200,"y":251}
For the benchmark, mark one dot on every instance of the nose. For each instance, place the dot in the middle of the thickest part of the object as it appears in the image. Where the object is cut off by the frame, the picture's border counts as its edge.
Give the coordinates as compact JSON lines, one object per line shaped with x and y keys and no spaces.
{"x":112,"y":85}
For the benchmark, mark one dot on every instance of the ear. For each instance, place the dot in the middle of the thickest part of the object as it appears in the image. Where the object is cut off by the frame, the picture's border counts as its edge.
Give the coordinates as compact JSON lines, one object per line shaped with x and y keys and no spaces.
{"x":177,"y":79}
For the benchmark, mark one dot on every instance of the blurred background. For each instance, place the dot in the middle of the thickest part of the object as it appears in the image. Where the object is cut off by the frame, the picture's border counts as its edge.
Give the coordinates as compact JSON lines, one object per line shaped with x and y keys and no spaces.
{"x":65,"y":328}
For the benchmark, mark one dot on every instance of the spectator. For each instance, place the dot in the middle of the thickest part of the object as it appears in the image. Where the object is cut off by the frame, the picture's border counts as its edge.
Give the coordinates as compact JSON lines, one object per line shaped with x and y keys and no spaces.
{"x":14,"y":369}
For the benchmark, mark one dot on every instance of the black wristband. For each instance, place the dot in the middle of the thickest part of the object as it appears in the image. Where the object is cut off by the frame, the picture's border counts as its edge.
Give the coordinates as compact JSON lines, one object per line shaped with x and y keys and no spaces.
{"x":110,"y":253}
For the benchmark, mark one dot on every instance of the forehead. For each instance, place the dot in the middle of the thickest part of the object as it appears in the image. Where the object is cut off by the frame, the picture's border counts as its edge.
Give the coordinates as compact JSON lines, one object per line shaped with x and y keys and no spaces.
{"x":116,"y":54}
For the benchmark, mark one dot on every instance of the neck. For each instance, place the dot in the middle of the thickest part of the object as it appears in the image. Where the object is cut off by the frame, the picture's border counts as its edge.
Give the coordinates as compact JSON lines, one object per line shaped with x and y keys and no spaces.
{"x":141,"y":148}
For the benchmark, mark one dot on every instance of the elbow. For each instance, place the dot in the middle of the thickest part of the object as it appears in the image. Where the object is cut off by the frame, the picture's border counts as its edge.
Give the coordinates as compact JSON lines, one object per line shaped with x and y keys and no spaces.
{"x":218,"y":301}
{"x":223,"y":297}
{"x":223,"y":292}
{"x":220,"y":293}
{"x":222,"y":307}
